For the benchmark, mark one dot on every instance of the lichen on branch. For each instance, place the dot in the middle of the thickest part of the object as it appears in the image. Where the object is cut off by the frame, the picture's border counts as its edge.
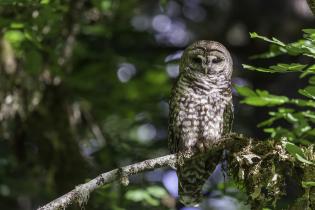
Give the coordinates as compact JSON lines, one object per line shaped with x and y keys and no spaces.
{"x":269,"y":175}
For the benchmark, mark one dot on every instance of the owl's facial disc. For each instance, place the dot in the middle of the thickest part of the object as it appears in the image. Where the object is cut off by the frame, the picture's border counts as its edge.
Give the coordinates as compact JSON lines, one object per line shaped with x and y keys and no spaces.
{"x":207,"y":62}
{"x":215,"y":61}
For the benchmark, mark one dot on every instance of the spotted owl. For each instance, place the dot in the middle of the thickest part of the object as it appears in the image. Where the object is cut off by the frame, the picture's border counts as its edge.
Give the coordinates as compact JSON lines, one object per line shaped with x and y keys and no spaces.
{"x":201,"y":112}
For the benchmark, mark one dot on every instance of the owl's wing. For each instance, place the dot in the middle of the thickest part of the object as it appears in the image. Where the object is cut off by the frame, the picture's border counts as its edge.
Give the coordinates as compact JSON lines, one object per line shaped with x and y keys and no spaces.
{"x":228,"y":116}
{"x":173,"y":137}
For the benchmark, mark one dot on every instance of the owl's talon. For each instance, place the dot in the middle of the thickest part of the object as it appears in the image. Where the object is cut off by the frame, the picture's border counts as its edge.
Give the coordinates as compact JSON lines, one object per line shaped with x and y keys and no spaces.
{"x":201,"y":147}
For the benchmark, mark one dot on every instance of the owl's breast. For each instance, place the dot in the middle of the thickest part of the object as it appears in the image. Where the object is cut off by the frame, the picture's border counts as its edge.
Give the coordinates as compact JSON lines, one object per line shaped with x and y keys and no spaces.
{"x":198,"y":119}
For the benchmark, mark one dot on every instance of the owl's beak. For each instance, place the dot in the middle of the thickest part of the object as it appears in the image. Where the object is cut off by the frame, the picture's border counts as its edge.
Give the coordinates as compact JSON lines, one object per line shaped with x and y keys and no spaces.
{"x":209,"y":63}
{"x":208,"y":67}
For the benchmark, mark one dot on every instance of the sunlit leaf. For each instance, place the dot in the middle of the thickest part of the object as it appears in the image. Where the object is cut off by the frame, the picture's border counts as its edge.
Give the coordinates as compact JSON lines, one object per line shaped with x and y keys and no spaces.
{"x":273,"y":40}
{"x":14,"y":36}
{"x":270,"y":100}
{"x":44,"y":1}
{"x":245,"y":91}
{"x":157,"y":191}
{"x":106,"y":5}
{"x":309,"y":91}
{"x":150,"y":195}
{"x":308,"y":184}
{"x":309,"y":114}
{"x":309,"y":31}
{"x":301,"y":102}
{"x":136,"y":195}
{"x":268,"y":122}
{"x":296,"y":152}
{"x":279,"y":68}
{"x":303,"y":160}
{"x":17,"y":25}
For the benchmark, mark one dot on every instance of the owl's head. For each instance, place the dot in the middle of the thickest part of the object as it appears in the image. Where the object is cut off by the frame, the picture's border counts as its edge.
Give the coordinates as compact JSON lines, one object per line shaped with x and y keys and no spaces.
{"x":206,"y":58}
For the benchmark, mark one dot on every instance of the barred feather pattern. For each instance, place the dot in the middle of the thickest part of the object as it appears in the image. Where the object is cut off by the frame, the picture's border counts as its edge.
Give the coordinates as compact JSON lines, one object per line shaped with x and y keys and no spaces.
{"x":201,"y":112}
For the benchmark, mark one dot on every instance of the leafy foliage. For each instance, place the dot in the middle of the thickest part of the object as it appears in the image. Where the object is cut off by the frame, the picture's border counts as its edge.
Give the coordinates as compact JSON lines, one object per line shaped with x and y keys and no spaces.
{"x":150,"y":195}
{"x":294,"y":119}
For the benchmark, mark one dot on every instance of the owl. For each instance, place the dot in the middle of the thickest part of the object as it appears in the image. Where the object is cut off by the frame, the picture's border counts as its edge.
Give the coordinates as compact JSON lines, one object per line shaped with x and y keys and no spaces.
{"x":201,"y":112}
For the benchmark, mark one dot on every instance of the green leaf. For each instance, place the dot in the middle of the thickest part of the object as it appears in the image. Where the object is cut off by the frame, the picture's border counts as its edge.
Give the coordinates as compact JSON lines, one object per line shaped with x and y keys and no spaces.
{"x":292,"y":148}
{"x":106,"y":5}
{"x":309,"y":31}
{"x":156,"y":77}
{"x":303,"y":160}
{"x":152,"y":201}
{"x":309,"y":91}
{"x":136,"y":195}
{"x":302,"y":103}
{"x":15,"y":37}
{"x":309,"y":114}
{"x":245,"y":91}
{"x":157,"y":191}
{"x":255,"y":101}
{"x":140,"y":195}
{"x":268,"y":122}
{"x":279,"y":68}
{"x":17,"y":25}
{"x":296,"y":152}
{"x":261,"y":97}
{"x":291,"y":117}
{"x":280,"y":132}
{"x":272,"y":100}
{"x":252,"y":68}
{"x":311,"y":132}
{"x":308,"y":184}
{"x":44,"y":1}
{"x":301,"y":47}
{"x":282,"y":67}
{"x":274,"y":50}
{"x":285,"y":110}
{"x":273,"y":40}
{"x":312,"y":80}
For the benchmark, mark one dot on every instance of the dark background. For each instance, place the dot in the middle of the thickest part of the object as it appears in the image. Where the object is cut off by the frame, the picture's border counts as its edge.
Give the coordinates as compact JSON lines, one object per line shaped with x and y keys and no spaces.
{"x":85,"y":84}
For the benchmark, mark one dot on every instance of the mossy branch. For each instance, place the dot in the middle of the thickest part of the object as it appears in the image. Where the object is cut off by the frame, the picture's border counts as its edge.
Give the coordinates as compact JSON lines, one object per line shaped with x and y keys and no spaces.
{"x":263,"y":168}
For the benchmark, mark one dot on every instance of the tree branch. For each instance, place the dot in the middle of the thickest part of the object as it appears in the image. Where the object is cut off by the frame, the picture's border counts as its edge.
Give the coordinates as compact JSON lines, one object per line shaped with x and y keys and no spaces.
{"x":263,"y":168}
{"x":81,"y":193}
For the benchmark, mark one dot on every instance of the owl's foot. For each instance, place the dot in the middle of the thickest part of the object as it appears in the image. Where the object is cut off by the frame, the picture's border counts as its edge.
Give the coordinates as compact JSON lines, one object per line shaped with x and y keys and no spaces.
{"x":204,"y":146}
{"x":183,"y":156}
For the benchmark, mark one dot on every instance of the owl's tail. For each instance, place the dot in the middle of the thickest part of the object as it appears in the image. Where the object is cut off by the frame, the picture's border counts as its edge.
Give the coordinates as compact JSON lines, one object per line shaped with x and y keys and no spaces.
{"x":192,"y":175}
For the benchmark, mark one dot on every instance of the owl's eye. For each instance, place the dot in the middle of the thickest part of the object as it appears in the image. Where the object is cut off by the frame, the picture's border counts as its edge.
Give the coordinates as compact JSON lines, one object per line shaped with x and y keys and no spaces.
{"x":217,"y":60}
{"x":197,"y":60}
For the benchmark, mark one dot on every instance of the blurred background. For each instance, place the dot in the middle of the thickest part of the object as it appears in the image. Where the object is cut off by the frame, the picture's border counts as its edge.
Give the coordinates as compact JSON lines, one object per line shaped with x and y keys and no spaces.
{"x":84,"y":88}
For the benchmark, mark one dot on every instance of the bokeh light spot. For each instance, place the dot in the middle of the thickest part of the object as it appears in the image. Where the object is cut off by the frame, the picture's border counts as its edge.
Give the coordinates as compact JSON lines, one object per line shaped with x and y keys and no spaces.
{"x":161,"y":23}
{"x":125,"y":72}
{"x":146,"y":132}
